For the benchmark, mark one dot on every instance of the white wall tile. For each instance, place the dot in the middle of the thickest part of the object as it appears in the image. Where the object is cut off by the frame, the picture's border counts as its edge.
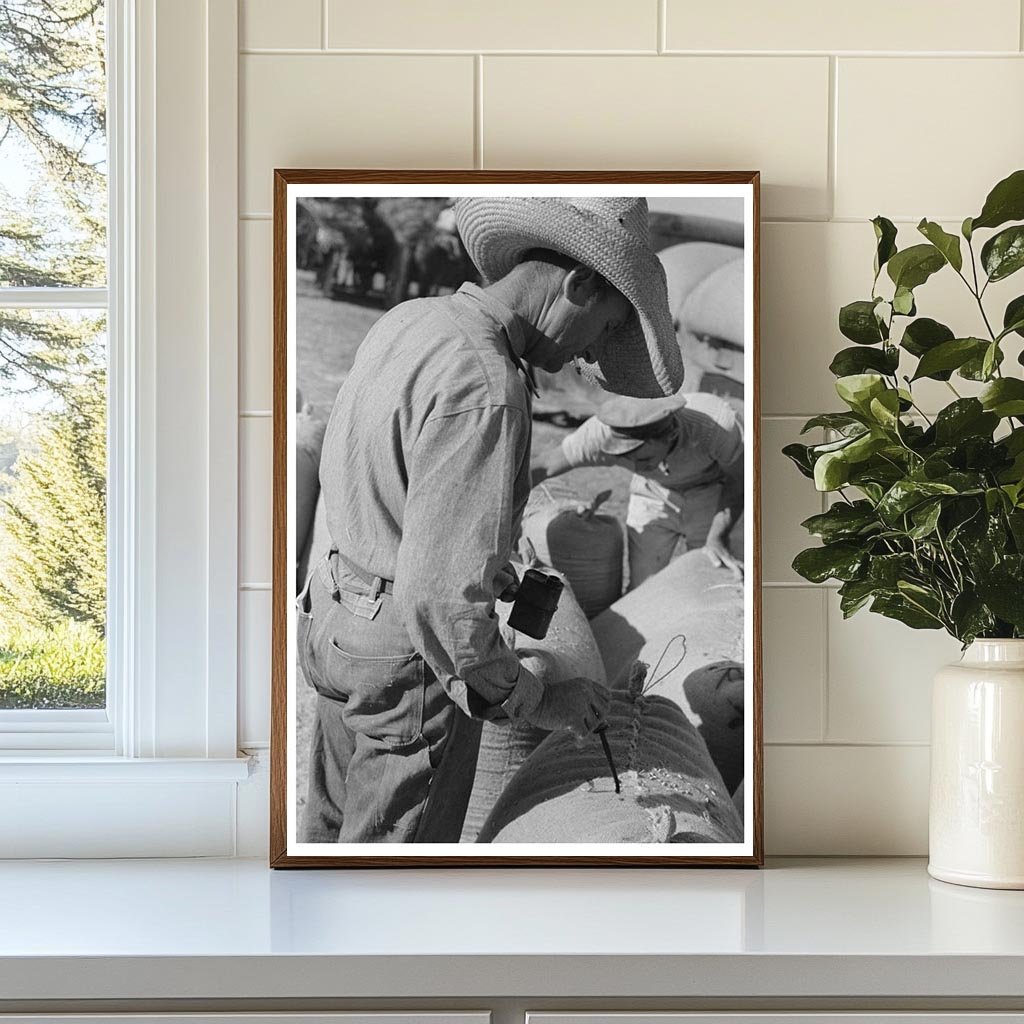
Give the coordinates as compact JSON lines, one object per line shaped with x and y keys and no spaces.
{"x":809,"y":271}
{"x":471,"y":25}
{"x":254,"y":611}
{"x":277,"y":25}
{"x":880,"y":676}
{"x":869,"y":25}
{"x":680,"y":113}
{"x":351,"y":111}
{"x":787,"y":499}
{"x":255,"y":311}
{"x":255,"y":503}
{"x":961,"y":129}
{"x":793,"y":630}
{"x":846,"y":801}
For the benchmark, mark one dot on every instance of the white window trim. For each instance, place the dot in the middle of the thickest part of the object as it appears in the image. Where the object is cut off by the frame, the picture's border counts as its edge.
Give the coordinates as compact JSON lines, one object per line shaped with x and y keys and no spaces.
{"x":172,"y":506}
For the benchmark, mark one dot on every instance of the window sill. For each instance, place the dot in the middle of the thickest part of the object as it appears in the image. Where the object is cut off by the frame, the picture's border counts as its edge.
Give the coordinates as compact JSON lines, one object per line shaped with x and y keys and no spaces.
{"x":79,"y":806}
{"x":77,"y":767}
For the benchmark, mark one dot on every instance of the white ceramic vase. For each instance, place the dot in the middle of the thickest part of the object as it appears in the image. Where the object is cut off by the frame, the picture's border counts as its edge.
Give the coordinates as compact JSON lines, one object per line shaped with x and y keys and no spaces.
{"x":976,"y":815}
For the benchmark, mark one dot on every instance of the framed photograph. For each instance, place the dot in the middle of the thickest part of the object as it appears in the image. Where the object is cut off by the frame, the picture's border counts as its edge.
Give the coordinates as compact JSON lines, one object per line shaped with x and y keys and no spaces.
{"x":516,"y":608}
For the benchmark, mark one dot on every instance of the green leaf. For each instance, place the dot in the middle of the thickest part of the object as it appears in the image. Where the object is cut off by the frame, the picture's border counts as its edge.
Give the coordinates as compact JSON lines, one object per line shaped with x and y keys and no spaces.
{"x":904,"y":495}
{"x":925,"y":518}
{"x":900,"y":609}
{"x":990,"y":361}
{"x":1003,"y":254}
{"x":903,"y":302}
{"x":949,"y":355}
{"x":912,"y":267}
{"x":854,"y":594}
{"x":1003,"y":596}
{"x":840,"y":561}
{"x":885,"y":571}
{"x":858,"y":389}
{"x":857,"y":321}
{"x":1004,"y":397}
{"x":947,"y":244}
{"x":966,"y":417}
{"x":800,"y":456}
{"x":971,"y":617}
{"x":832,"y":420}
{"x":842,"y":521}
{"x":924,"y":334}
{"x":1013,"y":317}
{"x":974,"y":368}
{"x":864,"y":447}
{"x":831,"y":471}
{"x":1005,"y":202}
{"x":849,"y":361}
{"x":965,"y":229}
{"x":885,"y":237}
{"x":885,"y":409}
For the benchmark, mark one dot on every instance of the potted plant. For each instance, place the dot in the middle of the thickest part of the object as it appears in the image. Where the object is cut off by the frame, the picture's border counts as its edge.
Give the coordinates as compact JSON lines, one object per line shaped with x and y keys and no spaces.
{"x":926,"y":524}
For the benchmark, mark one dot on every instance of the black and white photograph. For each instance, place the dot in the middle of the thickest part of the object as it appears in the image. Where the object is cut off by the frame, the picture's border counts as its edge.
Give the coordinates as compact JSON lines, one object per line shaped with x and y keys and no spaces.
{"x":516,"y":567}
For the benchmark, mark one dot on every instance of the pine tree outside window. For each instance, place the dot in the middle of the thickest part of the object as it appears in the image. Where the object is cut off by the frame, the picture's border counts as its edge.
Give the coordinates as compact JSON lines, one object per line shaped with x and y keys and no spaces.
{"x":53,"y":369}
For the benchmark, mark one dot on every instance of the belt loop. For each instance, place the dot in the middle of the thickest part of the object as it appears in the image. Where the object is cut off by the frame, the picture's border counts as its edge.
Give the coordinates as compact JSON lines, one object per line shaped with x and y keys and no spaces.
{"x":378,"y":587}
{"x":329,"y":560}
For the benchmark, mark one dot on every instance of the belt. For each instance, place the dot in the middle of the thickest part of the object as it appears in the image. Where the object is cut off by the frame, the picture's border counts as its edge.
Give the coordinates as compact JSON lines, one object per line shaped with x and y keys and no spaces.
{"x":377,"y":583}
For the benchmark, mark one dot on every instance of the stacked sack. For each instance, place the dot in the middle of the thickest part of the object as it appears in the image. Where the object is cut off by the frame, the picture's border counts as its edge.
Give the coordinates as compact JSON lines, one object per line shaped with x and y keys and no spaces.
{"x":567,"y":651}
{"x":583,"y":545}
{"x":671,"y":791}
{"x":689,"y":618}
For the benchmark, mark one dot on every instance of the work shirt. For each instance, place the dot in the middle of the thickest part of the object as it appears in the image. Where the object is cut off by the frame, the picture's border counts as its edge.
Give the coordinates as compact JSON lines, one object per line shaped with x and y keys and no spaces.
{"x":707,"y":439}
{"x":425,"y":475}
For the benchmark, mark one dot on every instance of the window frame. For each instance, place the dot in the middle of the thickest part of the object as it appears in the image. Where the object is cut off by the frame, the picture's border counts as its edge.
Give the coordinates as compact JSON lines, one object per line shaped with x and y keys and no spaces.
{"x":173,"y":433}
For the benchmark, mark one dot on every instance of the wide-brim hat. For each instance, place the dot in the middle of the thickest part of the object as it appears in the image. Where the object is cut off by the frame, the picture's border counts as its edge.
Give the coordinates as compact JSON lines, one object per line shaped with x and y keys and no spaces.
{"x":609,"y":234}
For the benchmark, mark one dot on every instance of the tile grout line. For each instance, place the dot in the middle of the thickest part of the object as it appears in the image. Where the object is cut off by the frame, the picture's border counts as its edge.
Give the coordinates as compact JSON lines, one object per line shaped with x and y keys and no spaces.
{"x":323,"y":24}
{"x":831,"y":171}
{"x":825,"y":724}
{"x":1020,"y":25}
{"x":662,"y":27}
{"x":768,"y":55}
{"x":852,"y":744}
{"x":478,"y":111}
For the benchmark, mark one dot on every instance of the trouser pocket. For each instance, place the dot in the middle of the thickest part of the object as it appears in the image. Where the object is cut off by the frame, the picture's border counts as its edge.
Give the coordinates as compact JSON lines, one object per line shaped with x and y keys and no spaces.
{"x":384,"y":696}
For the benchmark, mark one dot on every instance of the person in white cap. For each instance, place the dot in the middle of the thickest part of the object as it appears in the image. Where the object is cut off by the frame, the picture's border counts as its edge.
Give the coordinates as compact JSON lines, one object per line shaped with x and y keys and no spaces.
{"x":686,"y":456}
{"x":425,"y":475}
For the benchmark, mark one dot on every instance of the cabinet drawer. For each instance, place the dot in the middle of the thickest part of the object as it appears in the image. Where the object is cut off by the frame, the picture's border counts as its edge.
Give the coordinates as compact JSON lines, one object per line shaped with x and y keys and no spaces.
{"x":934,"y":1017}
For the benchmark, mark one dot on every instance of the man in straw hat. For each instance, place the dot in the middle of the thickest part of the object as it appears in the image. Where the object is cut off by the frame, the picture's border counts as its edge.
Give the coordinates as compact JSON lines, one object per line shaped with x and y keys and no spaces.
{"x":425,"y":474}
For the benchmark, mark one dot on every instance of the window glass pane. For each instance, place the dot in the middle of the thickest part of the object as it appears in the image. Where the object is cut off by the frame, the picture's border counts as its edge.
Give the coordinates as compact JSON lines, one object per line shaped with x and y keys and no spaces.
{"x":53,"y":151}
{"x":53,"y":443}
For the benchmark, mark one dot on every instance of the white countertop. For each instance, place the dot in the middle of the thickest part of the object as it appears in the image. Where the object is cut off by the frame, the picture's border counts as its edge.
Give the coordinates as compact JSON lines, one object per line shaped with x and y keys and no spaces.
{"x":235,"y":929}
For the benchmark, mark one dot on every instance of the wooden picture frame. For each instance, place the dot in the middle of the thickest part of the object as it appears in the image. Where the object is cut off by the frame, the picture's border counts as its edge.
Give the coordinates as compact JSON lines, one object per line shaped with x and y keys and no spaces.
{"x":671,"y":190}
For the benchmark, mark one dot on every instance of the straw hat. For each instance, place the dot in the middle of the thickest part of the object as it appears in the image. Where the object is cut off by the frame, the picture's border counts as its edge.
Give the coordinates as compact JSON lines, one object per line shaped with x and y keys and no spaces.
{"x":609,"y":234}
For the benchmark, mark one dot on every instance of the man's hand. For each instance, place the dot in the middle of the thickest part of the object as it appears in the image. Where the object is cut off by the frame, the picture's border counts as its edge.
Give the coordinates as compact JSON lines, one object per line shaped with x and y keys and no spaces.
{"x":716,"y":547}
{"x":577,"y":704}
{"x":506,"y":583}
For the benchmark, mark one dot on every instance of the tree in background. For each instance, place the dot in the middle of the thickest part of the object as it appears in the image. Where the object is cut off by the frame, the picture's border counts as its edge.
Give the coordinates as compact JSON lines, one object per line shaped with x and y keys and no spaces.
{"x":53,"y":544}
{"x":52,"y":116}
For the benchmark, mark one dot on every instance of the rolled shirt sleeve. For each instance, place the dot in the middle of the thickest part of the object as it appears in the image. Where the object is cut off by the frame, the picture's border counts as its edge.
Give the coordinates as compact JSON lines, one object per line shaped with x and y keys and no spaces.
{"x":456,"y":536}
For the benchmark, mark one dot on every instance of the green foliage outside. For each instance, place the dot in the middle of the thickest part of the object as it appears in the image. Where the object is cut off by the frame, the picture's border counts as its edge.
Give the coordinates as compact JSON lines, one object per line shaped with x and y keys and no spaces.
{"x":59,"y":667}
{"x":52,"y":366}
{"x":927,"y":526}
